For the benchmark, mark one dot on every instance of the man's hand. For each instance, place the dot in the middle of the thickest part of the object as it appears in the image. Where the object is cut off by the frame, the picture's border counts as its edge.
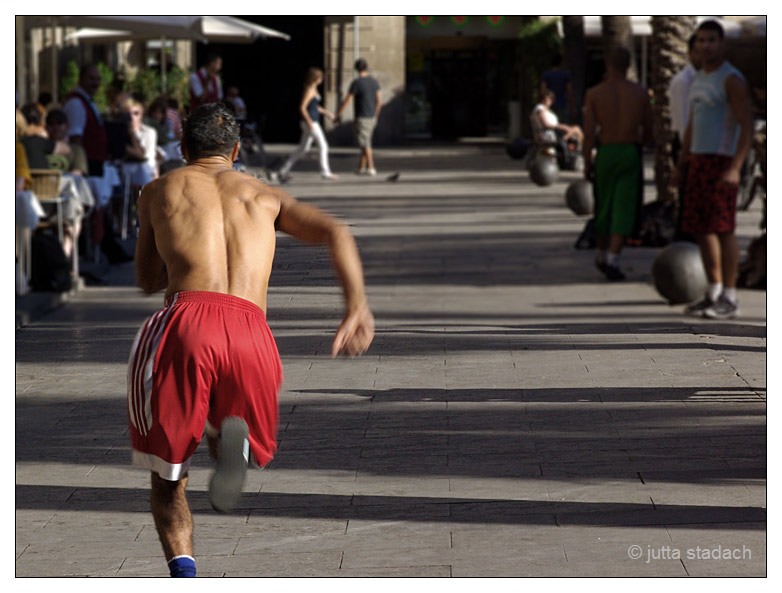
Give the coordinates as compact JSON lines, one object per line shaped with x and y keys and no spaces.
{"x":679,"y":171}
{"x":589,"y":173}
{"x":731,"y":176}
{"x":355,"y":333}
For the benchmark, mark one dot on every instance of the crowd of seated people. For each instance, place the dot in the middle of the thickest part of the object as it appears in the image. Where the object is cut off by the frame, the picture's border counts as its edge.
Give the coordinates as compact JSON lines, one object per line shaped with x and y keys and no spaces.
{"x":104,"y":159}
{"x":45,"y":152}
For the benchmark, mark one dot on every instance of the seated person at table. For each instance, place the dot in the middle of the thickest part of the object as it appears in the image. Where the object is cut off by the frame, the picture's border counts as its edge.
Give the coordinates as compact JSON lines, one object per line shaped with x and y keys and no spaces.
{"x":547,"y":129}
{"x":167,"y":143}
{"x":35,"y":139}
{"x":141,"y":150}
{"x":67,"y":157}
{"x":48,"y":148}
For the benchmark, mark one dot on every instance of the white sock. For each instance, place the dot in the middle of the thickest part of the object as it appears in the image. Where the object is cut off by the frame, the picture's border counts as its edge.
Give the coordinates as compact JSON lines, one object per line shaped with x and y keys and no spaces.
{"x":612,"y":259}
{"x":730,"y":294}
{"x":714,"y":291}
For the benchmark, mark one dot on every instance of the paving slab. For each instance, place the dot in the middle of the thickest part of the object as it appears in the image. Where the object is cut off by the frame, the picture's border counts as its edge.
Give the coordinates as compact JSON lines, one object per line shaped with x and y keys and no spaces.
{"x":517,"y":415}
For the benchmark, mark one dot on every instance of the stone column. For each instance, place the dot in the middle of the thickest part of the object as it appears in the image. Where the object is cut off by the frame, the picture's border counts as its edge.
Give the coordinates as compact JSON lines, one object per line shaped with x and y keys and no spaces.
{"x":381,"y":42}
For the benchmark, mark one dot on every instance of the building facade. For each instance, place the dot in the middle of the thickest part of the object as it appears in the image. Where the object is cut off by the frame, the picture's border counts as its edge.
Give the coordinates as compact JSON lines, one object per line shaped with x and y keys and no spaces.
{"x":441,"y":77}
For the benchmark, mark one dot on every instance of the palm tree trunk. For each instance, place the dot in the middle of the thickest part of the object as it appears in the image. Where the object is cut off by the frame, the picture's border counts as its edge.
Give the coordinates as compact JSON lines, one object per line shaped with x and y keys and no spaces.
{"x":669,"y":55}
{"x":528,"y":91}
{"x":575,"y":59}
{"x":618,"y":32}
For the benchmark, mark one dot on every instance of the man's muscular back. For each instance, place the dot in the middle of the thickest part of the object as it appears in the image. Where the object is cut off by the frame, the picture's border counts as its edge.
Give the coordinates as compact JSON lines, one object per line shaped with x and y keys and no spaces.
{"x":212,"y":228}
{"x":621,"y":111}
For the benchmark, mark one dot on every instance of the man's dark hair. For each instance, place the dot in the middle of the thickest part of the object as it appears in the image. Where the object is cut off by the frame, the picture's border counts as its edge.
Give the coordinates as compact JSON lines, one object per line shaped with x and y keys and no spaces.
{"x":691,"y":42}
{"x":361,"y":65}
{"x":85,"y":70}
{"x":229,"y":107}
{"x":712,"y":25}
{"x":158,"y":105}
{"x":32,"y":114}
{"x":556,"y":60}
{"x":619,"y":58}
{"x":56,"y":117}
{"x":211,"y":130}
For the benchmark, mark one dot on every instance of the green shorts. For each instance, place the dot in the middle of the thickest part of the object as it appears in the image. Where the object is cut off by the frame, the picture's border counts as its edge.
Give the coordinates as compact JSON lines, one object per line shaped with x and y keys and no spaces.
{"x":618,"y":189}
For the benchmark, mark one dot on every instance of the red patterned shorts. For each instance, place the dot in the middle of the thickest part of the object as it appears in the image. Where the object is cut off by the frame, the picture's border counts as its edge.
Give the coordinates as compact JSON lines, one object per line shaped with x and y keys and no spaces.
{"x":201,"y":358}
{"x":709,"y":204}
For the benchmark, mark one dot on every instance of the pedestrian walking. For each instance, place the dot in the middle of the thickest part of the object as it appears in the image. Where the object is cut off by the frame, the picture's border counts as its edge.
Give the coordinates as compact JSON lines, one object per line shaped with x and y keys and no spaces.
{"x":311,"y":110}
{"x":559,"y":81}
{"x":364,"y":91}
{"x":617,"y":122}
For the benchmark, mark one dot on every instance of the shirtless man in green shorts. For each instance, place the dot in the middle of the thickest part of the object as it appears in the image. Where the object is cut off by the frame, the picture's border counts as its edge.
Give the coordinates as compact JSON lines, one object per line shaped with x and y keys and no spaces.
{"x":618,"y":122}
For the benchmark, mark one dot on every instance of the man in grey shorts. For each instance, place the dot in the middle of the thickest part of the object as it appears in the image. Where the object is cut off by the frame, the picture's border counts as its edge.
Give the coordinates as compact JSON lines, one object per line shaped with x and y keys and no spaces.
{"x":365,"y":91}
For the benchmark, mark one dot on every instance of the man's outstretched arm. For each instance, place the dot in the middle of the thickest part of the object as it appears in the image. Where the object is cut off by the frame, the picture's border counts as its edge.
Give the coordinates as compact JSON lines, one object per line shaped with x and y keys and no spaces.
{"x":311,"y":225}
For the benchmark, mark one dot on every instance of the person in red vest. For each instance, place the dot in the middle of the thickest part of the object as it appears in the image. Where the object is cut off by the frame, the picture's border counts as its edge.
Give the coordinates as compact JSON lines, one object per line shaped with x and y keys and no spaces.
{"x":85,"y":124}
{"x":205,"y":83}
{"x":86,"y":128}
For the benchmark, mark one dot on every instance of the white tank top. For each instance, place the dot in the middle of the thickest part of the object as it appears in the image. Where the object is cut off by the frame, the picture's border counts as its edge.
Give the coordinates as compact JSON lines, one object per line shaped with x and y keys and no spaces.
{"x":714,"y":129}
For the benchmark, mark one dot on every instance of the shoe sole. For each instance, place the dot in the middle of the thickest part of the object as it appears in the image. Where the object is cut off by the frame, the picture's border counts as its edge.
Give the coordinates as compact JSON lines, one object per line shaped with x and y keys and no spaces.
{"x":613,"y":275}
{"x":697,"y":311}
{"x":712,"y":315}
{"x":225,"y":487}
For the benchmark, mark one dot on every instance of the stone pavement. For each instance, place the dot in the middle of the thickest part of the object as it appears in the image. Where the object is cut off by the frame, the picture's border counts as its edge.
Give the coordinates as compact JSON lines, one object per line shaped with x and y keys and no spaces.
{"x":516,"y":416}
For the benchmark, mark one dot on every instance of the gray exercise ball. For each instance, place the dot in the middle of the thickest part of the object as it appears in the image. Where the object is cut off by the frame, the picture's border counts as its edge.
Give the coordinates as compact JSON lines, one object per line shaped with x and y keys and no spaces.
{"x":544,"y":170}
{"x":579,"y":198}
{"x":518,"y":148}
{"x":678,"y":273}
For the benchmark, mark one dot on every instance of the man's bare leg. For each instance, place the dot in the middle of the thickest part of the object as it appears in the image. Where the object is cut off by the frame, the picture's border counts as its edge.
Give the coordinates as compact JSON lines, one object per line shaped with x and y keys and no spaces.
{"x":172,"y":516}
{"x":710,"y":254}
{"x":615,"y":244}
{"x":729,"y":251}
{"x":362,"y":161}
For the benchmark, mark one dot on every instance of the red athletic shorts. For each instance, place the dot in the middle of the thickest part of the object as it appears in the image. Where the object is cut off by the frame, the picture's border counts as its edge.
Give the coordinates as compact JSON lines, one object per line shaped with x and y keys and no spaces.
{"x":709,"y":204}
{"x":203,"y":357}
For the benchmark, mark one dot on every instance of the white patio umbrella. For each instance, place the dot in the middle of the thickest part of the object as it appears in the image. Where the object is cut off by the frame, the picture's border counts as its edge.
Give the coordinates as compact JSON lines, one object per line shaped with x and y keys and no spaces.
{"x":110,"y":28}
{"x":218,"y":29}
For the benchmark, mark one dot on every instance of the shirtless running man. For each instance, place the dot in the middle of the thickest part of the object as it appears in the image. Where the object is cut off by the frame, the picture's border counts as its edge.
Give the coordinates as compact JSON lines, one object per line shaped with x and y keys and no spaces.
{"x":618,"y":122}
{"x":207,"y":360}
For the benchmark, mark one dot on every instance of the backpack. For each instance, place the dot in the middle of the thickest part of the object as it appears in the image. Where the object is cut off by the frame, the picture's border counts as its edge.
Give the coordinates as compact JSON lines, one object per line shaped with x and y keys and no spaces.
{"x":51,"y":268}
{"x":657,"y":226}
